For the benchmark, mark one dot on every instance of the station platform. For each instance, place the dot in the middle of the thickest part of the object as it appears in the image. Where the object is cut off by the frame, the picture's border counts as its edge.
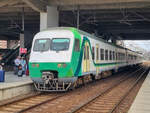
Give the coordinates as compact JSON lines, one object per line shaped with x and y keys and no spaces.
{"x":141,"y":103}
{"x":15,"y":86}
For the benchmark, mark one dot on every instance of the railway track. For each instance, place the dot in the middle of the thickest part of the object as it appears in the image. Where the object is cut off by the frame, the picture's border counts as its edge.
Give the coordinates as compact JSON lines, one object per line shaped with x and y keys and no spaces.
{"x":27,"y":103}
{"x":74,"y":98}
{"x":107,"y":101}
{"x":35,"y":102}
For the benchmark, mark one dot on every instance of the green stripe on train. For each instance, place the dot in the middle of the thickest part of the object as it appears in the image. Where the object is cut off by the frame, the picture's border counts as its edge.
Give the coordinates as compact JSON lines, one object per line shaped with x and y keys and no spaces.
{"x":85,"y":39}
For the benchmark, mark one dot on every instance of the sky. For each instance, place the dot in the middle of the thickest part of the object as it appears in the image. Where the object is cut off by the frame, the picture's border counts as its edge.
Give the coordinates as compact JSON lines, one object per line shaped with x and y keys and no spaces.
{"x":144,"y":44}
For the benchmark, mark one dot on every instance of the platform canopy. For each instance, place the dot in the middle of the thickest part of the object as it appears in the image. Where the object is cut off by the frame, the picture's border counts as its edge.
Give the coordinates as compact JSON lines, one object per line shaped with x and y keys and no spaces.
{"x":126,"y":19}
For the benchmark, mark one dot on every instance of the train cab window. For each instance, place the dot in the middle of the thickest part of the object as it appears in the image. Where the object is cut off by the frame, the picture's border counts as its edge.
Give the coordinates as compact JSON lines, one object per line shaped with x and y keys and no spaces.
{"x":102,"y":54}
{"x":106,"y":54}
{"x":41,"y":45}
{"x":93,"y":53}
{"x":77,"y":45}
{"x":60,"y":44}
{"x":110,"y":55}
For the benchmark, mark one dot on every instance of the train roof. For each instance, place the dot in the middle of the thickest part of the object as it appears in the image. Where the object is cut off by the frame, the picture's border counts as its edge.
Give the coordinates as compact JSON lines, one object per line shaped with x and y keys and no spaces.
{"x":89,"y":35}
{"x":84,"y":33}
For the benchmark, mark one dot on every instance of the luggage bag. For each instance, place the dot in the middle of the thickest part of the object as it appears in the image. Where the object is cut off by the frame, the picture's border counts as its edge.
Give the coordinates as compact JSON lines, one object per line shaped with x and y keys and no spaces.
{"x":2,"y":76}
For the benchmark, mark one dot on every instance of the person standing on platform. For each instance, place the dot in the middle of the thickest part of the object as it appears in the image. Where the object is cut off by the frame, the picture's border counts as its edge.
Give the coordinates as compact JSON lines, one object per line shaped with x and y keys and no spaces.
{"x":23,"y":64}
{"x":17,"y":62}
{"x":1,"y":62}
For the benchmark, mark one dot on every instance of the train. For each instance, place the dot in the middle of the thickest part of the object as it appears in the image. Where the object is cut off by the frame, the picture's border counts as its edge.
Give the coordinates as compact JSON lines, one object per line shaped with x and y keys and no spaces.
{"x":63,"y":58}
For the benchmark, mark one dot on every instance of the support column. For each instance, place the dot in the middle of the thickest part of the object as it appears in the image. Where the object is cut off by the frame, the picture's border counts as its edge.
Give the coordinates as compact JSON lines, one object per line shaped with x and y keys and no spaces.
{"x":21,"y":40}
{"x":22,"y":34}
{"x":8,"y":44}
{"x":78,"y":18}
{"x":50,"y":18}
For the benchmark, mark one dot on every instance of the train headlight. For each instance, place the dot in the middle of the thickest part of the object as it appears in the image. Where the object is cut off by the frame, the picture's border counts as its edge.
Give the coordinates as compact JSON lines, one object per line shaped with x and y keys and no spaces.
{"x":37,"y":65}
{"x":64,"y":65}
{"x":59,"y":65}
{"x":33,"y":65}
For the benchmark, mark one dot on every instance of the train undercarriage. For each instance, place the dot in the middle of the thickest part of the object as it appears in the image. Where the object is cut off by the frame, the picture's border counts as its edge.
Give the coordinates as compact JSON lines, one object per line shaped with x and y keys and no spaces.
{"x":51,"y":84}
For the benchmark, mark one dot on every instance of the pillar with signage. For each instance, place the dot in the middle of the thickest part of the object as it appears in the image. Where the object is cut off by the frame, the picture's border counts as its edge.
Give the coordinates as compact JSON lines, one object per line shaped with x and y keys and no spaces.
{"x":23,"y":50}
{"x":21,"y":42}
{"x":50,"y":18}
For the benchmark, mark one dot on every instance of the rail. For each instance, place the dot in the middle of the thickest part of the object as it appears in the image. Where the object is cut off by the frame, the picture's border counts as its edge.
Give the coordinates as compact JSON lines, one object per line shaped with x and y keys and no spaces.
{"x":78,"y":108}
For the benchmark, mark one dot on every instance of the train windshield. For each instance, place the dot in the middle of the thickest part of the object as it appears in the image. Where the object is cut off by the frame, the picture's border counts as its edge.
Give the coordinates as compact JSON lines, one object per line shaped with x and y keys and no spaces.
{"x":41,"y":45}
{"x":60,"y":44}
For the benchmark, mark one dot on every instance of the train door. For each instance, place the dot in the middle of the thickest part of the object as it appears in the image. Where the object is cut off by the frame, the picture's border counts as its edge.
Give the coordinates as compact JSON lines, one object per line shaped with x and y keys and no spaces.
{"x":97,"y":58}
{"x":86,"y":61}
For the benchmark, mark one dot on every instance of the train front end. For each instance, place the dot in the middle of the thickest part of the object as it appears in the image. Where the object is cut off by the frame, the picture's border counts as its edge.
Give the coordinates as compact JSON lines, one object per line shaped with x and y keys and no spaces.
{"x":50,"y":60}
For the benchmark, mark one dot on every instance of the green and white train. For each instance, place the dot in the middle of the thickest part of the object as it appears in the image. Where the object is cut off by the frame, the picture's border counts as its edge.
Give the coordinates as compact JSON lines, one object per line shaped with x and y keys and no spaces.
{"x":65,"y":57}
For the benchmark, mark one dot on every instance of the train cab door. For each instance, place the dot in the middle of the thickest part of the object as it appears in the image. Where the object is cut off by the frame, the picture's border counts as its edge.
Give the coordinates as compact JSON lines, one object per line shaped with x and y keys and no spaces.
{"x":86,"y":61}
{"x":97,"y":58}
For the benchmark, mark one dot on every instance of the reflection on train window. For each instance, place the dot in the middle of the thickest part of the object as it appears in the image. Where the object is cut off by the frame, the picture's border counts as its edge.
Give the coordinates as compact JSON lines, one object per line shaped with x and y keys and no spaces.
{"x":41,"y":45}
{"x":60,"y":44}
{"x":102,"y":54}
{"x":106,"y":54}
{"x":77,"y":45}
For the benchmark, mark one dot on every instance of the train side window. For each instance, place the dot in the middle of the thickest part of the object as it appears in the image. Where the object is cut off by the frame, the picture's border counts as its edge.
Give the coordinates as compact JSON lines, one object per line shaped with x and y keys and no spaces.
{"x":106,"y":54}
{"x":93,"y":53}
{"x":129,"y":57}
{"x":84,"y":53}
{"x":77,"y":45}
{"x":97,"y":55}
{"x":119,"y":55}
{"x":123,"y":56}
{"x":113,"y":55}
{"x":88,"y":52}
{"x":102,"y":54}
{"x":116,"y":56}
{"x":110,"y":55}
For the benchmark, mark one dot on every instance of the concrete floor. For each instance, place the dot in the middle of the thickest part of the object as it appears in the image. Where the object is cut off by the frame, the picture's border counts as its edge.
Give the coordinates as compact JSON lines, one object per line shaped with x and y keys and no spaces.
{"x":10,"y":77}
{"x":141,"y":103}
{"x":15,"y":86}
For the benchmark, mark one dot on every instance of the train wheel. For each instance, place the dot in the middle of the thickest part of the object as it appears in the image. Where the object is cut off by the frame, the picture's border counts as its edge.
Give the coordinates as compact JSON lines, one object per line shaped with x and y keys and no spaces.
{"x":106,"y":74}
{"x":99,"y":76}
